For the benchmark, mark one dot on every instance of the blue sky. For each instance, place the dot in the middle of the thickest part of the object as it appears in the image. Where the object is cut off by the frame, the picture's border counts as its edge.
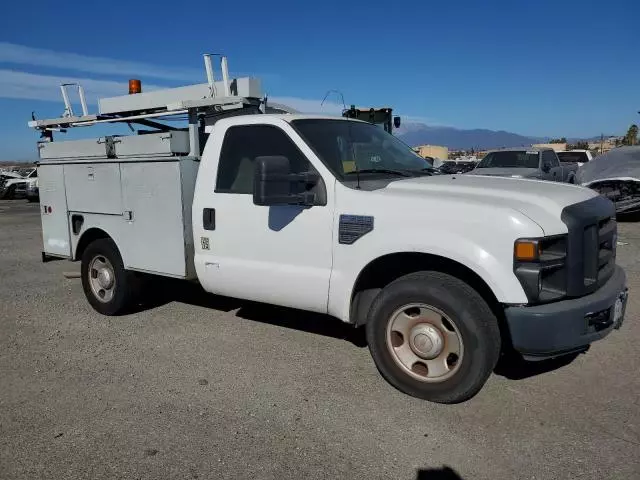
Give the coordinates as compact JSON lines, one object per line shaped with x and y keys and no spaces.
{"x":564,"y":68}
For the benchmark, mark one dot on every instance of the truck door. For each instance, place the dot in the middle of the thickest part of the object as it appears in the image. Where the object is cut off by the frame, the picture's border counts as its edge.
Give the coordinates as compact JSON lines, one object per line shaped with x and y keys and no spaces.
{"x":550,"y":160}
{"x":277,"y":254}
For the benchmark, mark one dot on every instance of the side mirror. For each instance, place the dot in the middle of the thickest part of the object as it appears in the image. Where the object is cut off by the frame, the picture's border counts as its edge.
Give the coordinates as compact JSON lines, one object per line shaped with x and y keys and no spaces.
{"x":274,"y":184}
{"x":396,"y":122}
{"x":546,"y":168}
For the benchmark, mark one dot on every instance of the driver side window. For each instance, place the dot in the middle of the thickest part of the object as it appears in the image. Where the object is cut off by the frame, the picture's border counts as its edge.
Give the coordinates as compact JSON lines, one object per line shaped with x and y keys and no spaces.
{"x":242,"y":145}
{"x":550,"y":158}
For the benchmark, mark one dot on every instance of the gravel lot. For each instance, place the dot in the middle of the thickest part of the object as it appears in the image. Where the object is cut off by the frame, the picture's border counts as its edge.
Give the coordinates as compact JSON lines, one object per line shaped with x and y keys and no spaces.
{"x":202,"y":387}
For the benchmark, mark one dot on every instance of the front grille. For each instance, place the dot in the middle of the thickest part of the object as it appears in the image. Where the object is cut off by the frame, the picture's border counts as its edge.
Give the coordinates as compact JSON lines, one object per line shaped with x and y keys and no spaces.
{"x":591,"y":245}
{"x":599,"y":252}
{"x":607,"y":237}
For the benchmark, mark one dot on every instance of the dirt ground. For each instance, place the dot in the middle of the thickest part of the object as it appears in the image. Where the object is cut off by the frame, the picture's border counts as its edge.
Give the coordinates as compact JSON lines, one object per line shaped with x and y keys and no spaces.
{"x":201,"y":387}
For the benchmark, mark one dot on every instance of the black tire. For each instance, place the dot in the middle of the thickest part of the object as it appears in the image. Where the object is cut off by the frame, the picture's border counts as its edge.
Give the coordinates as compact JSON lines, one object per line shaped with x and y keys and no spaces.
{"x":125,"y":282}
{"x":477,"y":326}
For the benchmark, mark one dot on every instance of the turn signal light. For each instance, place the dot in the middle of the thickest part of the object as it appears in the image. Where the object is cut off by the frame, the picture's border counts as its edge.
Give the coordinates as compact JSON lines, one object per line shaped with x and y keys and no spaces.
{"x":526,"y":250}
{"x":135,"y":86}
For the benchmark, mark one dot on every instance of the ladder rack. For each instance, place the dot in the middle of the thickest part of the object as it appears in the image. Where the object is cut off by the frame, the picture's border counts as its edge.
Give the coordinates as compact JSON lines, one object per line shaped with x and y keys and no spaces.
{"x":200,"y":102}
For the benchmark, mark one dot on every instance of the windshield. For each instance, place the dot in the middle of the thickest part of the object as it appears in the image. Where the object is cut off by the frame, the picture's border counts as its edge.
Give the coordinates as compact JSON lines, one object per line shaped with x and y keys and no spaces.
{"x":510,"y":159}
{"x":573,"y":157}
{"x":343,"y":145}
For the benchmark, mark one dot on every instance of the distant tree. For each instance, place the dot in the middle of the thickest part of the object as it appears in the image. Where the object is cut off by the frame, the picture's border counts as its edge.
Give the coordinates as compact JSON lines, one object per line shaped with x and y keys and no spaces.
{"x":631,"y":138}
{"x":581,"y":145}
{"x":559,"y":140}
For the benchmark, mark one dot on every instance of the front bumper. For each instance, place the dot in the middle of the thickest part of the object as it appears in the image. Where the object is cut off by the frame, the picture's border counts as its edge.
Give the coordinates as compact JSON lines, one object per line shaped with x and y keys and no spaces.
{"x":566,"y":326}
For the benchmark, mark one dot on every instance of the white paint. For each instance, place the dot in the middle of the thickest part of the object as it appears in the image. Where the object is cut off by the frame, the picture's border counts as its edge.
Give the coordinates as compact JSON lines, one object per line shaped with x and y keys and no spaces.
{"x":290,"y":256}
{"x":58,"y":243}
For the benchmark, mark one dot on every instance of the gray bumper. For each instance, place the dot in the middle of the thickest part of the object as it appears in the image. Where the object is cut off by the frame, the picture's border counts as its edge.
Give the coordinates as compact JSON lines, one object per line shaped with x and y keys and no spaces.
{"x":569,"y":325}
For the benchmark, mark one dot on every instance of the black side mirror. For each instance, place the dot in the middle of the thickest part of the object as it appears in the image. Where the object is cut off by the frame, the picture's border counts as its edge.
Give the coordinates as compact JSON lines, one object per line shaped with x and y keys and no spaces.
{"x":396,"y":122}
{"x":274,"y":184}
{"x":546,"y":168}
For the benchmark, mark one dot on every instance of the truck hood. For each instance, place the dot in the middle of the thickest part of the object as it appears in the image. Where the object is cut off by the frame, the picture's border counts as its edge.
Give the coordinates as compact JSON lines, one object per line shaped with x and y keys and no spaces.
{"x":506,"y":172}
{"x":541,"y":201}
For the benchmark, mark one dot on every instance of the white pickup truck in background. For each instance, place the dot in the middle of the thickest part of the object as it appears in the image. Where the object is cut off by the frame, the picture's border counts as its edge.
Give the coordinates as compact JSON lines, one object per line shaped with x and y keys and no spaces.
{"x":444,"y":272}
{"x":579,"y":157}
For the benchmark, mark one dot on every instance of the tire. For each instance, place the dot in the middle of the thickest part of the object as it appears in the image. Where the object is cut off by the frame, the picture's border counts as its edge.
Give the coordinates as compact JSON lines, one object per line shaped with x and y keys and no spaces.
{"x":118,"y":284}
{"x":463,"y":315}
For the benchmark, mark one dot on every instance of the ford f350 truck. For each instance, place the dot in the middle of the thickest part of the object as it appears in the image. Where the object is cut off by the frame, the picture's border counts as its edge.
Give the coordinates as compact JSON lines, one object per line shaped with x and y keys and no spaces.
{"x":444,"y":272}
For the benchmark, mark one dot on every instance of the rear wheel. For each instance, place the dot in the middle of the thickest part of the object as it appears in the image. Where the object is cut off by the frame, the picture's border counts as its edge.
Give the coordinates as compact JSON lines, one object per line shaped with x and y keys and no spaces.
{"x":434,"y":337}
{"x":109,"y":288}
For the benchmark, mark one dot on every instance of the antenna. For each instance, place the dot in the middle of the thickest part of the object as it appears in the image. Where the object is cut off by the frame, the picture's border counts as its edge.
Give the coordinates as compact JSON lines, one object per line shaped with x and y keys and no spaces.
{"x":337,"y":92}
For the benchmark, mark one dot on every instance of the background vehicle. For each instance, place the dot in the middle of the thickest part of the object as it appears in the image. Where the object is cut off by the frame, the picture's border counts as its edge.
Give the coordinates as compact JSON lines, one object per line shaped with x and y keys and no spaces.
{"x":580,"y":157}
{"x":378,"y":116}
{"x":538,"y":163}
{"x":16,"y":186}
{"x":441,"y":271}
{"x":452,"y":167}
{"x":616,"y":175}
{"x":32,"y":193}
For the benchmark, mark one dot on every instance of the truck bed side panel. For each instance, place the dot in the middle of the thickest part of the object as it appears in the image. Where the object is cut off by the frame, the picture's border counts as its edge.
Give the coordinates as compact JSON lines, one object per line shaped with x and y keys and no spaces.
{"x":53,"y":210}
{"x":154,"y":234}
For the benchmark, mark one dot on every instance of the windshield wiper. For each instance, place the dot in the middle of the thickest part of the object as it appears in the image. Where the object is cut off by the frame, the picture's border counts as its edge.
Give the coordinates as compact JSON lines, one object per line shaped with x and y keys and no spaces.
{"x":381,"y":170}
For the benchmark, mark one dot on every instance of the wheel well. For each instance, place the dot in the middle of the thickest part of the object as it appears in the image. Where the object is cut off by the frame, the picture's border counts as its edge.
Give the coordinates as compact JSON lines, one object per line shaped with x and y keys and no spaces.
{"x":87,"y":237}
{"x":384,"y":270}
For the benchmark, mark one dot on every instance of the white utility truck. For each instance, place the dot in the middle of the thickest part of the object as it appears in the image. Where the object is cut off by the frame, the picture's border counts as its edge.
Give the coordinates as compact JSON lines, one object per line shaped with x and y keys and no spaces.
{"x":330,"y":215}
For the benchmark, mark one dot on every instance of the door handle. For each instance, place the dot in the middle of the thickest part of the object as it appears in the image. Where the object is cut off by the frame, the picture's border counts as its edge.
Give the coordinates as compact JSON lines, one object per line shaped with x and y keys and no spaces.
{"x":209,"y":218}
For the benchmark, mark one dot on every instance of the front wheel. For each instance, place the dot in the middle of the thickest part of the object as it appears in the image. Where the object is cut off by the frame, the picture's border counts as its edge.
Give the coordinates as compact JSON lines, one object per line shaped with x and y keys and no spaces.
{"x":109,"y":288}
{"x":434,"y":337}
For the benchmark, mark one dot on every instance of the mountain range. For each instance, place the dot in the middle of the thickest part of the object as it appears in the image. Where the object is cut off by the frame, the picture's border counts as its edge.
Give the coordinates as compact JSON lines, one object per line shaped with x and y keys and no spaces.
{"x":415,"y":134}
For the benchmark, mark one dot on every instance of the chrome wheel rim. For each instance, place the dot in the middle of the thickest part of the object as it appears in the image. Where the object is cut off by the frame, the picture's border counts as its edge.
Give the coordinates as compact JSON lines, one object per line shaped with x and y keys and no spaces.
{"x":424,"y":342}
{"x":102,"y":278}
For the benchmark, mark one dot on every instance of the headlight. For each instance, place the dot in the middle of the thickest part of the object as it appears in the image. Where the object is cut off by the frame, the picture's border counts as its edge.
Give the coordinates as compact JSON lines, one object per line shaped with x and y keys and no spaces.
{"x":539,"y":264}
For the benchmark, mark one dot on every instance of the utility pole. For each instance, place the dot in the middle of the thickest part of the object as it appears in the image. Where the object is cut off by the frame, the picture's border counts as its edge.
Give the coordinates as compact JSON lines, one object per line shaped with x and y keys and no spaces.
{"x":601,"y":143}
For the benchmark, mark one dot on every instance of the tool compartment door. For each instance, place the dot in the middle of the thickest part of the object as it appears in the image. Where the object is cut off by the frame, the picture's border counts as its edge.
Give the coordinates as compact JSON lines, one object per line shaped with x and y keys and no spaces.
{"x":53,"y":210}
{"x":153,"y":223}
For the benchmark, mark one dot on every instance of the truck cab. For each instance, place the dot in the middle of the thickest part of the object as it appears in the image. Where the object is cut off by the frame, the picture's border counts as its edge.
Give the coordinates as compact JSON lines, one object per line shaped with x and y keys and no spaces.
{"x":335,"y":215}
